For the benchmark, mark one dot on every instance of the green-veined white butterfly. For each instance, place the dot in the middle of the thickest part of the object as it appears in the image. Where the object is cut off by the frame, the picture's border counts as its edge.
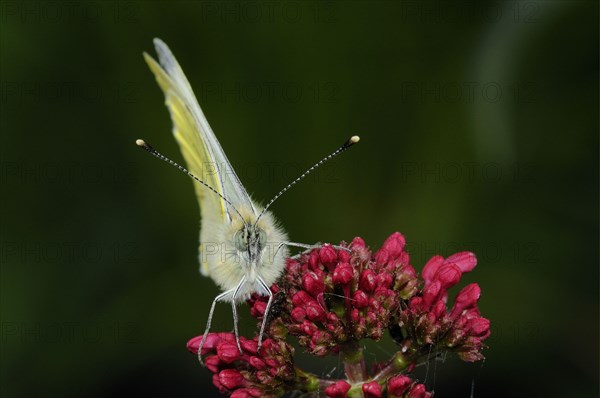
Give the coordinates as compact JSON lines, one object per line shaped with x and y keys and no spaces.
{"x":242,"y":248}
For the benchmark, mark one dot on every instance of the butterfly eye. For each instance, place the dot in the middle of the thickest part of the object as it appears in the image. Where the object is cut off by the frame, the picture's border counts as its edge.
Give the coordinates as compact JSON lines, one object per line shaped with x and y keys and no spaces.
{"x":262,"y":237}
{"x":240,"y":241}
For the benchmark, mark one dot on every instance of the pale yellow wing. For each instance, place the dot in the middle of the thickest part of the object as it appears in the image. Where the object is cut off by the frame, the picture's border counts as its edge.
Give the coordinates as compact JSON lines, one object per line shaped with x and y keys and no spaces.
{"x":201,"y":150}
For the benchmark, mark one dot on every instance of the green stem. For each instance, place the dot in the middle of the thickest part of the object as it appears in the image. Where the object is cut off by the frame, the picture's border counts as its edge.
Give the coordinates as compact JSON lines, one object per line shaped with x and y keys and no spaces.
{"x":399,"y":362}
{"x":308,"y":382}
{"x":354,"y":363}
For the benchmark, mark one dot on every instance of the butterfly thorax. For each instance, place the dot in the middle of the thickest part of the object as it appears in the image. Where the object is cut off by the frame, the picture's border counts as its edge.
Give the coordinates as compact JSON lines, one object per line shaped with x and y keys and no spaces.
{"x":247,"y":249}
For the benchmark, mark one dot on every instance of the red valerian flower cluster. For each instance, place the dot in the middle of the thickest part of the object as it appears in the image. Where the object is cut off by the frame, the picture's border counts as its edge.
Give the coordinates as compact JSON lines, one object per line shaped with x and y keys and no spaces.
{"x":329,"y":299}
{"x":247,"y":374}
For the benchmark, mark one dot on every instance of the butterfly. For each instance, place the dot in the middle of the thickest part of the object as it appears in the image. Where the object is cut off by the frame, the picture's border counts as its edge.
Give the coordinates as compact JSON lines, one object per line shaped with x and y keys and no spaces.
{"x":242,"y":246}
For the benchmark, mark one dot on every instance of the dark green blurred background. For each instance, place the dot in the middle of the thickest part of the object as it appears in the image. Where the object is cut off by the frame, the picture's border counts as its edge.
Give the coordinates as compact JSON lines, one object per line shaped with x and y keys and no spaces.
{"x":479,"y":127}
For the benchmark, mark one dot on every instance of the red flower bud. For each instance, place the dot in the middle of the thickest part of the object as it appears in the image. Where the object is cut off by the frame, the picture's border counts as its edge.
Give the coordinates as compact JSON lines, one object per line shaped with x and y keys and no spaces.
{"x":361,"y":300}
{"x":228,"y":352}
{"x":398,"y":385}
{"x":194,"y":344}
{"x":298,"y":314}
{"x":257,"y":363}
{"x":419,"y":391}
{"x":259,"y":309}
{"x":466,"y":298}
{"x":384,"y":279}
{"x":314,"y":312}
{"x":381,"y":257}
{"x":230,"y":378}
{"x":313,"y":260}
{"x":251,"y":346}
{"x":301,"y":299}
{"x":371,"y":390}
{"x":312,"y":284}
{"x":394,"y":245}
{"x":431,"y":293}
{"x":338,"y":390}
{"x":212,"y":339}
{"x":479,"y":327}
{"x":466,"y":261}
{"x":343,"y":274}
{"x":367,"y":280}
{"x":448,"y":275}
{"x":213,"y":363}
{"x":247,"y":393}
{"x":328,"y":255}
{"x":431,"y":267}
{"x":344,"y":256}
{"x":308,"y":328}
{"x":357,"y":243}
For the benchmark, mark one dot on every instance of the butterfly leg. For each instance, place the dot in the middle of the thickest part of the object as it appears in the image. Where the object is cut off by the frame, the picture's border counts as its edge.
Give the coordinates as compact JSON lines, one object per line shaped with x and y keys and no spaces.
{"x":235,"y":315}
{"x":308,"y":247}
{"x":220,"y":297}
{"x":266,"y":315}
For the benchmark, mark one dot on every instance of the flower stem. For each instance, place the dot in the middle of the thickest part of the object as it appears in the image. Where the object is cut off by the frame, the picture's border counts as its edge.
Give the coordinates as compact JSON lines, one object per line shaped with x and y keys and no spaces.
{"x":399,"y":362}
{"x":354,"y":363}
{"x":308,"y":382}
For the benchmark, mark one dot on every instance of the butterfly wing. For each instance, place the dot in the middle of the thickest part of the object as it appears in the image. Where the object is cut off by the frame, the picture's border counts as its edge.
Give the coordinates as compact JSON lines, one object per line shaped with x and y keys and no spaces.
{"x":201,"y":150}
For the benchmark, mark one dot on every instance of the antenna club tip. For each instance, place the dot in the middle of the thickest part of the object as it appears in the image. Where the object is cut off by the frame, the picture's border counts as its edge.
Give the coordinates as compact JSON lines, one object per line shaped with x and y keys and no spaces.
{"x":140,"y":142}
{"x":351,"y":141}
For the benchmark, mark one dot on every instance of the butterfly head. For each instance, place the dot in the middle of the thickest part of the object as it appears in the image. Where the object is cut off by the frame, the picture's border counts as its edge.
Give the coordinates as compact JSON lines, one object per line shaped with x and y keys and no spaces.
{"x":250,"y":240}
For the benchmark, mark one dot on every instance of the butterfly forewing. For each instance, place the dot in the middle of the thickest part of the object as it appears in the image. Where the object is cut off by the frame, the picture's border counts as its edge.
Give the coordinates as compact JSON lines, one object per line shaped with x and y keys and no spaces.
{"x":201,"y":150}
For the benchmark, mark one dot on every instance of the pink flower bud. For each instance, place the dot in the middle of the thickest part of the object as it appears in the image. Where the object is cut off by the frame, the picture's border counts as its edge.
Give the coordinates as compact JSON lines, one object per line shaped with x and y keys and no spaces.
{"x":246,"y":393}
{"x":448,"y":275}
{"x":357,"y":243}
{"x":361,"y":300}
{"x":217,"y":383}
{"x":466,"y":261}
{"x":213,"y":363}
{"x":367,"y":280}
{"x":314,"y":312}
{"x":328,"y":255}
{"x":384,"y":279}
{"x":212,"y":339}
{"x":343,"y":274}
{"x":371,"y":390}
{"x":355,"y":315}
{"x":228,"y":352}
{"x":259,"y":308}
{"x":313,"y":260}
{"x":394,"y":245}
{"x":431,"y":267}
{"x":479,"y":327}
{"x":338,"y":390}
{"x":308,"y":328}
{"x":343,"y":256}
{"x":466,"y":298}
{"x":312,"y":284}
{"x":230,"y":378}
{"x":431,"y":293}
{"x":398,"y":385}
{"x":439,"y":309}
{"x":301,"y":299}
{"x":381,"y":257}
{"x":298,"y":314}
{"x":416,"y":304}
{"x":257,"y":363}
{"x":194,"y":344}
{"x":250,"y":346}
{"x":418,"y":391}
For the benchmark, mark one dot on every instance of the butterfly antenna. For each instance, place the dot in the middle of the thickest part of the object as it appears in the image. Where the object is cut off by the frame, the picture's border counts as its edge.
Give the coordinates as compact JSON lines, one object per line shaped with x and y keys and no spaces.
{"x":351,"y":141}
{"x":143,"y":144}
